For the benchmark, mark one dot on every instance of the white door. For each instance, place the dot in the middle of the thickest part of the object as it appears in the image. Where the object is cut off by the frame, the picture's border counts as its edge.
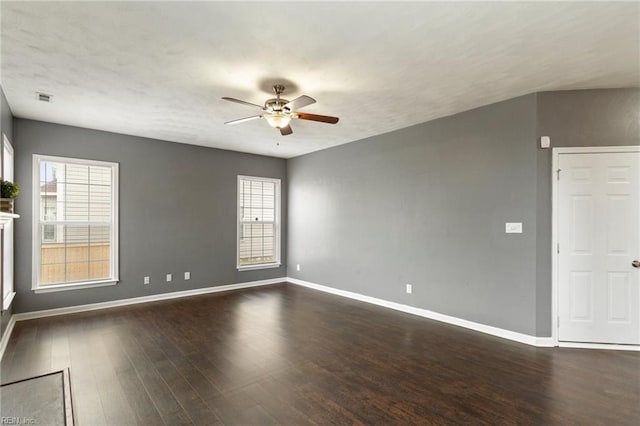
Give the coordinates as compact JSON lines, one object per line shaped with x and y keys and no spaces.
{"x":599,"y":240}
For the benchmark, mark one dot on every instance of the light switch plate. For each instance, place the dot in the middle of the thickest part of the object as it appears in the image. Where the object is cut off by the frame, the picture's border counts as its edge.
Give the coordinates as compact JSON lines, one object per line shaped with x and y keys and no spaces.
{"x":168,"y":278}
{"x":187,"y":276}
{"x":513,"y":228}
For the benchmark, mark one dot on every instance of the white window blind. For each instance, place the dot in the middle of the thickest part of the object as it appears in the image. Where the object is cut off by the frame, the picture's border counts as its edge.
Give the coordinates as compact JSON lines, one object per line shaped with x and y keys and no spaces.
{"x":75,"y":229}
{"x":258,"y":222}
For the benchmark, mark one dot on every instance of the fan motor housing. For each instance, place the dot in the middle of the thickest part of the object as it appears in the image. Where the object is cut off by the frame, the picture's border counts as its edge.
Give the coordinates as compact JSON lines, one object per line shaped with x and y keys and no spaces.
{"x":276,"y":104}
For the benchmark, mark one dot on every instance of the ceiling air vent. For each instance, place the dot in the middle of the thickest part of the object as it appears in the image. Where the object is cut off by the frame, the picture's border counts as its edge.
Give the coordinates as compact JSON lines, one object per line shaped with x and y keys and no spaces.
{"x":43,"y":97}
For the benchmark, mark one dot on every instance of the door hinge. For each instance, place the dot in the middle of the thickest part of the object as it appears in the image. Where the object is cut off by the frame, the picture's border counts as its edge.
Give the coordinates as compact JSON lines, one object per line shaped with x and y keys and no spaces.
{"x":558,"y":322}
{"x":558,"y":248}
{"x":558,"y":173}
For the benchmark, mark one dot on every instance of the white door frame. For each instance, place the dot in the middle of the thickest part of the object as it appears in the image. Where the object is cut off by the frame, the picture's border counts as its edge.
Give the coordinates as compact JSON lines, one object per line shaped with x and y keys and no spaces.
{"x":554,"y":241}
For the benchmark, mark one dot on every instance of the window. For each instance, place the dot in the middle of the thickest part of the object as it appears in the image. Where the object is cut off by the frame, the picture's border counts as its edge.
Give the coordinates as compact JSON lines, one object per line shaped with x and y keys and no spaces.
{"x":49,"y":231}
{"x":258,"y":223}
{"x":75,"y":229}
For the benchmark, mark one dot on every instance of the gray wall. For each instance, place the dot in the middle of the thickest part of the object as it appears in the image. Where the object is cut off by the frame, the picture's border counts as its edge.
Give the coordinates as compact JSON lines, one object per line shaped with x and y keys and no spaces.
{"x":6,"y":119}
{"x":177,"y":211}
{"x":606,"y":117}
{"x":426,"y":205}
{"x":6,"y":127}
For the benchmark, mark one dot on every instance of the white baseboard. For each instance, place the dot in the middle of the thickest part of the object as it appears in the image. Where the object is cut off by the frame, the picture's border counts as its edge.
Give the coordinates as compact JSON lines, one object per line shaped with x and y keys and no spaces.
{"x":545,"y":342}
{"x":7,"y":334}
{"x":143,"y":299}
{"x":487,"y":329}
{"x":494,"y":331}
{"x":608,"y":346}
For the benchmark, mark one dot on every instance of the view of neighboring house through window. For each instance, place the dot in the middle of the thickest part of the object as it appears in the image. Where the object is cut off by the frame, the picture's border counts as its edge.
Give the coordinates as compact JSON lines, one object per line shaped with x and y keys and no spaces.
{"x":48,"y":207}
{"x":258,"y":222}
{"x":75,"y":238}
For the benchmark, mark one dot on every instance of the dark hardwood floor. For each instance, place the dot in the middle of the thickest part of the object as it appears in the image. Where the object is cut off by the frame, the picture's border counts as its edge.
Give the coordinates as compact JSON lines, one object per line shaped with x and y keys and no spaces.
{"x":289,"y":355}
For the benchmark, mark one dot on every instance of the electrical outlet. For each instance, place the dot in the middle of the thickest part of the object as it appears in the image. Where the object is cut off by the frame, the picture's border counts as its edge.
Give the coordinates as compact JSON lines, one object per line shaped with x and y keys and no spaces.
{"x":187,"y":276}
{"x":409,"y":288}
{"x":297,"y":267}
{"x":168,"y":278}
{"x":147,"y":280}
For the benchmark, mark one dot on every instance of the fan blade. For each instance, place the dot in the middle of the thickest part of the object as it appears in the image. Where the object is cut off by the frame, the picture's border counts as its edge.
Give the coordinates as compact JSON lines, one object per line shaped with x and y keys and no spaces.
{"x":242,"y":120}
{"x":238,"y":101}
{"x":299,"y":102}
{"x":316,"y":117}
{"x":284,"y":131}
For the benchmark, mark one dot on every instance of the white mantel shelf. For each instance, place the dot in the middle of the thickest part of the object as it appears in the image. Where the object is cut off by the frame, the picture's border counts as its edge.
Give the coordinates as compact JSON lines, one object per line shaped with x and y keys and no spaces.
{"x":6,"y":217}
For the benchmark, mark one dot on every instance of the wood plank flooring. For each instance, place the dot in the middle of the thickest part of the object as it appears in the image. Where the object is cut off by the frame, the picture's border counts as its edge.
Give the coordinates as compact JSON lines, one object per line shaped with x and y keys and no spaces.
{"x":288,"y":355}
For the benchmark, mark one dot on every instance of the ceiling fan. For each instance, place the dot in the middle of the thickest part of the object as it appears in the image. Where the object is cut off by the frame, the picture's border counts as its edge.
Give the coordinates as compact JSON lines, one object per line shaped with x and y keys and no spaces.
{"x":279,"y":111}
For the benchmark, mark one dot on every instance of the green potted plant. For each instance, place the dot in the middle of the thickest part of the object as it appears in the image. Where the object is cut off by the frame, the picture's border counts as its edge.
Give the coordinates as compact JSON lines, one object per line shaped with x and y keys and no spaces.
{"x":8,"y":192}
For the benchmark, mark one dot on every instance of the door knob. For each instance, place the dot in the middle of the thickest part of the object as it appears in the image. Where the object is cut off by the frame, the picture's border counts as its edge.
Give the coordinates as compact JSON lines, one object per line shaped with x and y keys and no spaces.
{"x":636,"y":263}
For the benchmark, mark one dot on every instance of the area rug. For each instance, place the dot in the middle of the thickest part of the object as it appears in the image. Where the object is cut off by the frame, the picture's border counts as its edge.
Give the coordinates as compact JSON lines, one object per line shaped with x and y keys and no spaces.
{"x":40,"y":400}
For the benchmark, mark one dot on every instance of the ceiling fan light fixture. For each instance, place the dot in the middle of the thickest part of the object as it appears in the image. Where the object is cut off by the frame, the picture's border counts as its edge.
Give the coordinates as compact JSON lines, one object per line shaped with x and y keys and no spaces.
{"x":279,"y":111}
{"x":278,"y":121}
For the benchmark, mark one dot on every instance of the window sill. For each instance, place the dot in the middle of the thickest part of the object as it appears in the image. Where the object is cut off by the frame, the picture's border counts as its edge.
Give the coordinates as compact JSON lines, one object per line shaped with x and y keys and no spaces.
{"x":6,"y":303}
{"x":256,"y":267}
{"x":73,"y":286}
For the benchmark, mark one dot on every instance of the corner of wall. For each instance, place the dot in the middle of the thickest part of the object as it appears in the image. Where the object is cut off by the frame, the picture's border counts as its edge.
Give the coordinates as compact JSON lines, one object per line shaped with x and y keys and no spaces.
{"x":543,"y":225}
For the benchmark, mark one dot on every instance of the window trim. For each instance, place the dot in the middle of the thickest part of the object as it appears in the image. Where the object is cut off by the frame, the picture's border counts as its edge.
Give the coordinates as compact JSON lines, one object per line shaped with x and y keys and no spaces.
{"x":276,"y":263}
{"x":35,"y":231}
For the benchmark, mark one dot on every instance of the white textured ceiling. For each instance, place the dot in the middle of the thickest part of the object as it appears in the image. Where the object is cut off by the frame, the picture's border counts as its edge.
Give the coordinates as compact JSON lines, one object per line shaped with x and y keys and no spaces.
{"x":159,"y":69}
